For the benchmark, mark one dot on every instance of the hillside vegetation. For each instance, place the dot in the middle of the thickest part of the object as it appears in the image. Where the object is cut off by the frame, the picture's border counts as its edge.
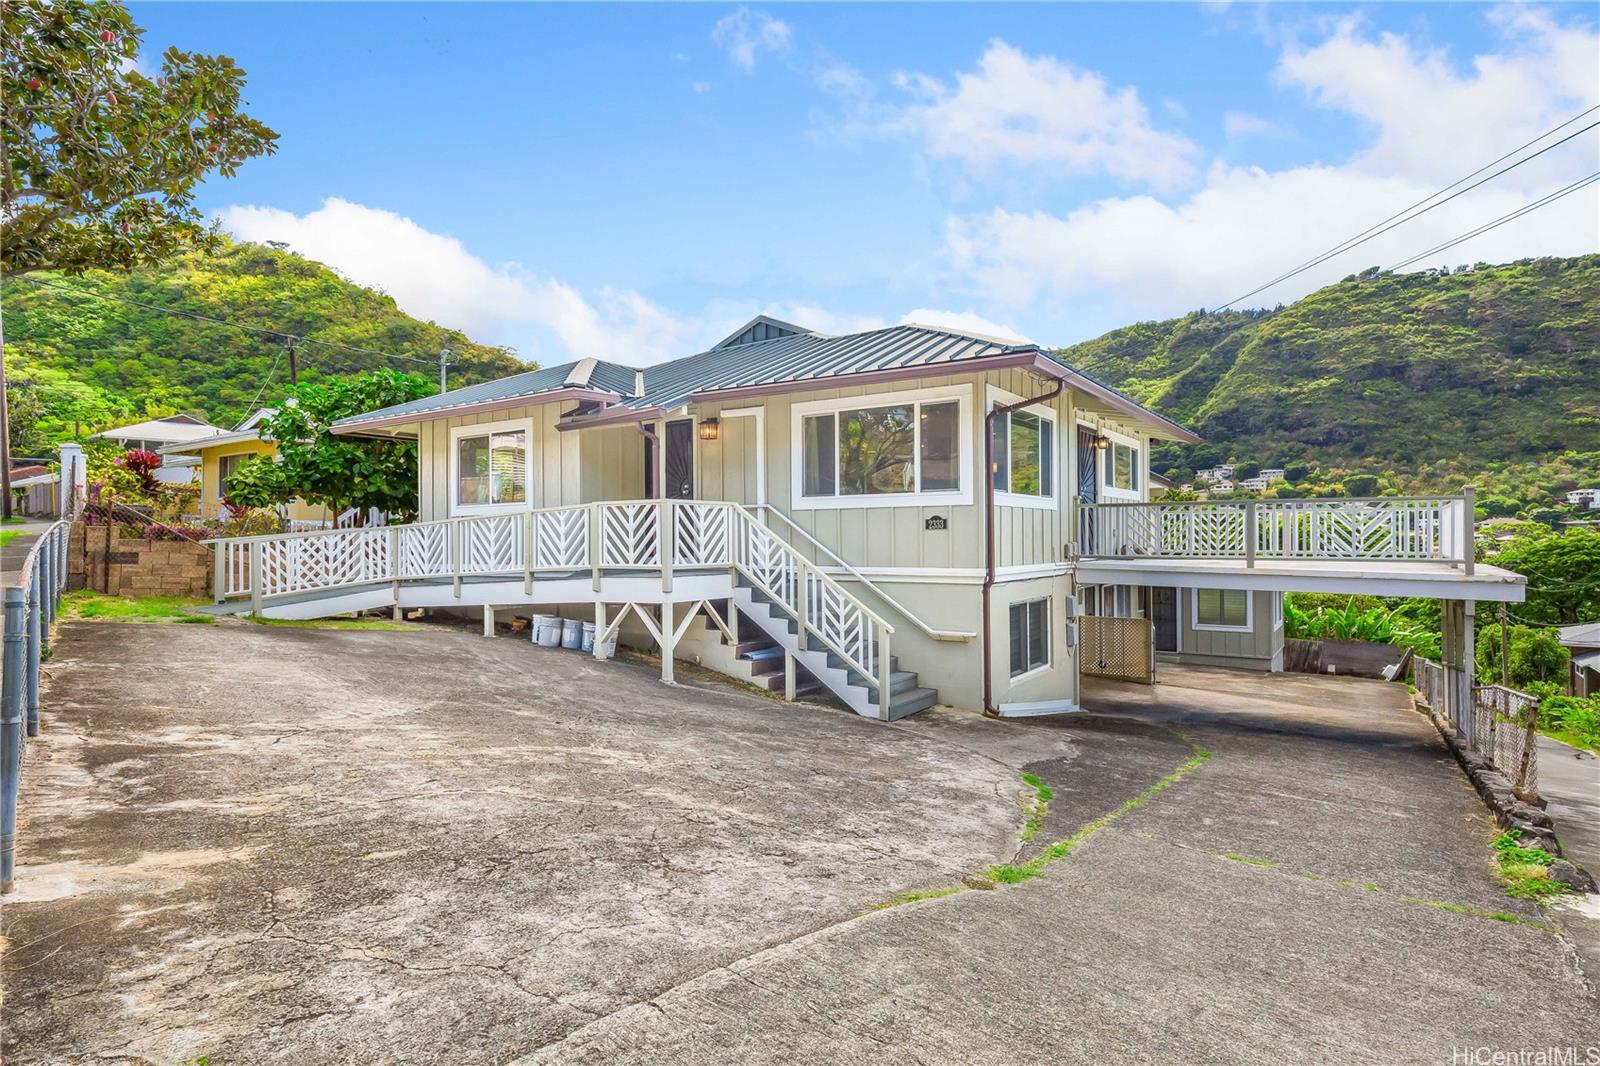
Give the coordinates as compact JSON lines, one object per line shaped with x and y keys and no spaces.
{"x":1428,"y":380}
{"x":76,"y":361}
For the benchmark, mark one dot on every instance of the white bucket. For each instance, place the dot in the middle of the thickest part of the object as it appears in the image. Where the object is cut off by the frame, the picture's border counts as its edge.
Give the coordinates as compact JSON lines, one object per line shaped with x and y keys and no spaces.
{"x":546,"y":630}
{"x":608,"y":647}
{"x":588,"y":637}
{"x":572,"y":633}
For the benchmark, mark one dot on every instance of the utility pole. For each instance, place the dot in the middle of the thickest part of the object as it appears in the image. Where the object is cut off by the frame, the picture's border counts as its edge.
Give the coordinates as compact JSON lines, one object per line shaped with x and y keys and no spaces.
{"x":1505,"y":649}
{"x":294,"y":362}
{"x":444,"y":361}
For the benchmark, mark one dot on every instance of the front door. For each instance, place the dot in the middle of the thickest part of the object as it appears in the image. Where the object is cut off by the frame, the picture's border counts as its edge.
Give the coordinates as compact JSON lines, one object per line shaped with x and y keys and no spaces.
{"x":1088,"y":488}
{"x":680,"y":460}
{"x":1164,"y":612}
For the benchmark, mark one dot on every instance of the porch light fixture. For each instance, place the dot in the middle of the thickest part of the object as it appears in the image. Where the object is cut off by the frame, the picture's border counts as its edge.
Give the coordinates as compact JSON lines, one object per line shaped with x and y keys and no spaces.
{"x":1101,"y":443}
{"x":709,"y":428}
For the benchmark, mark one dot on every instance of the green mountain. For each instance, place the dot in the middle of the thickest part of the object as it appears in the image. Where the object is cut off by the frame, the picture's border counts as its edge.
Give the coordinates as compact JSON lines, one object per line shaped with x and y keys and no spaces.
{"x":83,"y":353}
{"x":1427,"y":380}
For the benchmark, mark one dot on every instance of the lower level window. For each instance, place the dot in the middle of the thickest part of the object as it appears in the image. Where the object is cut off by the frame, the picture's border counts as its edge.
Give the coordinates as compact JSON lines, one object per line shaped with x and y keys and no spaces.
{"x":1229,"y":608}
{"x":1030,"y":636}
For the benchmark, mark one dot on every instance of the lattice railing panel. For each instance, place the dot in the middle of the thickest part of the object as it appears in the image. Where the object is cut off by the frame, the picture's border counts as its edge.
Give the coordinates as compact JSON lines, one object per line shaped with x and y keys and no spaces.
{"x":424,"y":550}
{"x":1120,"y":648}
{"x":491,"y":545}
{"x":630,"y":534}
{"x":701,"y":534}
{"x":561,"y":539}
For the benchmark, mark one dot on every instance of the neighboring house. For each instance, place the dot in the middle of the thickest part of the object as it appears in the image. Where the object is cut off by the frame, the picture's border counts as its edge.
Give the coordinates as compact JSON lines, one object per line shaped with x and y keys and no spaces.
{"x":1159,"y":485}
{"x":1589,"y":498}
{"x":1583,"y":676}
{"x":1220,"y":485}
{"x":158,"y":433}
{"x":1218,"y":473}
{"x":216,"y":457}
{"x":837,"y":508}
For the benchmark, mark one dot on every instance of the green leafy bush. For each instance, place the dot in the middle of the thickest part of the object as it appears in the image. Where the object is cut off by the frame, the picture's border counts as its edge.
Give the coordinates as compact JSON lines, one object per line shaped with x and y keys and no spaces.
{"x":1365,"y":618}
{"x":1536,"y":655}
{"x":1573,"y":719}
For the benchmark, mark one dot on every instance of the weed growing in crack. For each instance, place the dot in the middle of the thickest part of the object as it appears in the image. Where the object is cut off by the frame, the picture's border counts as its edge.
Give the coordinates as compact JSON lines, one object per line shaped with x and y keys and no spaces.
{"x":1037,"y":806}
{"x":1523,"y":870}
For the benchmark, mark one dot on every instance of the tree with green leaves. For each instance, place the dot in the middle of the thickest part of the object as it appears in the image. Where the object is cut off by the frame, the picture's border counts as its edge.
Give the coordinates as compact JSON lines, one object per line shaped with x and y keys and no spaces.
{"x":337,"y":472}
{"x":101,"y":161}
{"x":1563,"y":572}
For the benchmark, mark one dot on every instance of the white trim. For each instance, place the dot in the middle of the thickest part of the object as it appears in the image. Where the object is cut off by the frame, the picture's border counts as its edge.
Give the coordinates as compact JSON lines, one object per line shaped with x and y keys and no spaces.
{"x":1038,"y":707}
{"x":952,"y":575}
{"x":484,"y":429}
{"x":963,"y":495}
{"x":1249,"y":612}
{"x":760,"y":415}
{"x":996,"y":395}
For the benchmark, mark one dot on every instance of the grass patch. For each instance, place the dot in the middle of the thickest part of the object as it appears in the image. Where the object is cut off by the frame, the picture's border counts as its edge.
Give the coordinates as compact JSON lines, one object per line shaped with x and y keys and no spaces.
{"x":1013,"y":873}
{"x":1035,"y":808}
{"x":9,"y":535}
{"x":917,"y":897}
{"x":335,"y":623}
{"x":92,"y":606}
{"x":1251,"y":862}
{"x":1476,"y":912}
{"x":1524,"y":871}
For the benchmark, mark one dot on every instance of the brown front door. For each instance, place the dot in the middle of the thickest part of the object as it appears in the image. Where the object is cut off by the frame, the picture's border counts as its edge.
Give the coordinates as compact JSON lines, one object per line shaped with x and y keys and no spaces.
{"x":680,"y":460}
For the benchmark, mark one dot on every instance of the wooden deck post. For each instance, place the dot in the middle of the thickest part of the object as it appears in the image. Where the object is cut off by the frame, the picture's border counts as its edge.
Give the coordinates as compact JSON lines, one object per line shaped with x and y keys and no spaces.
{"x":255,"y":577}
{"x":788,"y":676}
{"x":1250,"y":533}
{"x":599,"y":626}
{"x":669,"y":642}
{"x":885,"y":664}
{"x":453,"y":535}
{"x":667,"y":537}
{"x":488,"y":620}
{"x":1469,"y":544}
{"x":528,"y":532}
{"x":219,"y":571}
{"x":594,"y":545}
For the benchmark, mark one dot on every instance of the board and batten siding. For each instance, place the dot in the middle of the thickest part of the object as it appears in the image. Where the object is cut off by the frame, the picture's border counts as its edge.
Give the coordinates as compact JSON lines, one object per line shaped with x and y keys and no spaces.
{"x":1259,"y":648}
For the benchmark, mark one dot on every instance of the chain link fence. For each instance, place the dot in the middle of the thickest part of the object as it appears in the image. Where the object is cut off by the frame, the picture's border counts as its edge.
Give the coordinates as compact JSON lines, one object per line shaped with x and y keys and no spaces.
{"x":1500,"y":724}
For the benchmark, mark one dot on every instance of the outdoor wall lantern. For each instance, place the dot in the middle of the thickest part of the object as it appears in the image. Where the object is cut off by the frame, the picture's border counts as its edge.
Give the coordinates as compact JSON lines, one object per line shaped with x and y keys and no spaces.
{"x":1101,"y":443}
{"x":709,"y":428}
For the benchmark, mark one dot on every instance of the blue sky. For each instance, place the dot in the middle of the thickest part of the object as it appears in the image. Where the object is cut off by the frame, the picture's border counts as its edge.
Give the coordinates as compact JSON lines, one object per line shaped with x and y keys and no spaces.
{"x":632,"y":181}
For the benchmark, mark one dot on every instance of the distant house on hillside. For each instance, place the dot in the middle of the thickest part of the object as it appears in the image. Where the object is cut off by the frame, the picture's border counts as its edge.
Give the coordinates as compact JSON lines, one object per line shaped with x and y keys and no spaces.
{"x":1589,"y":498}
{"x":157,"y":433}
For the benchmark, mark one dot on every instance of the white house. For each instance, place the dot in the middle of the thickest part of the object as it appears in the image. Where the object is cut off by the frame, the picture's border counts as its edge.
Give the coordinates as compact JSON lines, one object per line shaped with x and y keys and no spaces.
{"x":1589,"y":498}
{"x":895,"y":518}
{"x":155,"y":434}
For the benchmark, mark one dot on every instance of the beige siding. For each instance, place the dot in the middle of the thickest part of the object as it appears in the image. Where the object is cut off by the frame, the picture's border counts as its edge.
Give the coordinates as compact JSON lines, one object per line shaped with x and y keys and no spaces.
{"x":1260,"y":648}
{"x":558,"y":476}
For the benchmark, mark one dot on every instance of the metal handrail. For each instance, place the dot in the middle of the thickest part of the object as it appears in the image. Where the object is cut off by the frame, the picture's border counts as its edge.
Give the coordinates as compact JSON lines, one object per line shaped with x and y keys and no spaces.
{"x":936,"y":634}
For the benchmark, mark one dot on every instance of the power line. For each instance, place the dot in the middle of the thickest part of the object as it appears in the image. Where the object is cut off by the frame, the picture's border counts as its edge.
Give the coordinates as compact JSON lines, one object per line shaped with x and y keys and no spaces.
{"x":1409,"y":213}
{"x":273,"y":369}
{"x":271,"y":334}
{"x":1503,"y":219}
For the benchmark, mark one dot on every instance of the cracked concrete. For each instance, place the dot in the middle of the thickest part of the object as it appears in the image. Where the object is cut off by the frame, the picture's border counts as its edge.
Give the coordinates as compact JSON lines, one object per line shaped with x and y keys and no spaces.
{"x":329,"y":846}
{"x":310,"y":847}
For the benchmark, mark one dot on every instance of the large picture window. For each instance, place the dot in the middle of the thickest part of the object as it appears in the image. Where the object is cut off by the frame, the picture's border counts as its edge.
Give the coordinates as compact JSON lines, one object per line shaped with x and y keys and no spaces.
{"x":1221,"y":609}
{"x":491,"y":469}
{"x":1030,"y":636}
{"x":875,"y":452}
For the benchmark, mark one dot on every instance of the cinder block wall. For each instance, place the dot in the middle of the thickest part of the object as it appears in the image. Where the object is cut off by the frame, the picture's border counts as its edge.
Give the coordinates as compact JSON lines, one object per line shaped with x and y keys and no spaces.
{"x":136,"y":567}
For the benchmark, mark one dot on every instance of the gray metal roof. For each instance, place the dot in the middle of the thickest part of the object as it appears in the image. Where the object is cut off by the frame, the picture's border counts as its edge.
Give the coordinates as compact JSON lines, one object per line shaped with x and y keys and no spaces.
{"x":773,"y":361}
{"x":1586,"y":635}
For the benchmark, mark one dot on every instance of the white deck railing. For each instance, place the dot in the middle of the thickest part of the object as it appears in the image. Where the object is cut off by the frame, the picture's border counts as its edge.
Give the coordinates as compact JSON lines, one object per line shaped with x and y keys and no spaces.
{"x":629,"y":536}
{"x":1390,"y":529}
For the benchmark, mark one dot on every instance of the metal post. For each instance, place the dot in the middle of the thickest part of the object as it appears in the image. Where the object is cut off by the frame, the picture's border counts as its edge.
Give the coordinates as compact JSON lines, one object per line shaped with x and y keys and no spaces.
{"x":35,"y":596}
{"x":10,"y":732}
{"x":47,"y":593}
{"x":1250,"y":533}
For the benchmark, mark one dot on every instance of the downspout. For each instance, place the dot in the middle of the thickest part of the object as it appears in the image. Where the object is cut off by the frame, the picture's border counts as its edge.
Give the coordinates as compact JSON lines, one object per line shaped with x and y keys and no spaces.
{"x":988,"y":538}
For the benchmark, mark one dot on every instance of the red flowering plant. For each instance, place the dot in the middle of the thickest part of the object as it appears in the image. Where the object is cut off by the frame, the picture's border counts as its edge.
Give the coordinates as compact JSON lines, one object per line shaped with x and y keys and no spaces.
{"x":143,"y":465}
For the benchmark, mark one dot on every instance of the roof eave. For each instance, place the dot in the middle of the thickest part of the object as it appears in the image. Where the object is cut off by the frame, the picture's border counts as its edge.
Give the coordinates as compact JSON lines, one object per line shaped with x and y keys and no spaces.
{"x":359,"y":425}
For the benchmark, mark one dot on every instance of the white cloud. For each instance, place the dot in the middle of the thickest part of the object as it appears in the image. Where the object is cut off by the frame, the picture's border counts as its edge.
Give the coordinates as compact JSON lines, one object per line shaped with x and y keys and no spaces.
{"x":746,"y":34}
{"x":1240,"y":124}
{"x":700,"y":87}
{"x":1244,"y":225}
{"x":1041,"y":110}
{"x":433,"y":276}
{"x":962,"y":322}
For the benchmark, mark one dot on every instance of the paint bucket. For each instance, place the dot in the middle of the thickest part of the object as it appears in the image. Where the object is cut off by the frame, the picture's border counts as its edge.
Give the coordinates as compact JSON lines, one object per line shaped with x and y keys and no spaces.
{"x":572,"y":633}
{"x":546,"y":630}
{"x":605,"y":649}
{"x":588,"y":637}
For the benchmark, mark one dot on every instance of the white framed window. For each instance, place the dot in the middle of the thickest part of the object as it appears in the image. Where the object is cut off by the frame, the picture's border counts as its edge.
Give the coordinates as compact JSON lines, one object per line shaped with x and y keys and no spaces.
{"x":491,"y":467}
{"x":226,"y":465}
{"x":1030,"y":636}
{"x":1026,"y":451}
{"x":891,"y":450}
{"x":1121,"y":469}
{"x":1222,"y":609}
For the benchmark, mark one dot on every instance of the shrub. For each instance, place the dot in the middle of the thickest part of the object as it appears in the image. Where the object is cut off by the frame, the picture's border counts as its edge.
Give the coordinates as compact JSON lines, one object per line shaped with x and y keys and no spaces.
{"x":142,"y":465}
{"x":1572,"y":718}
{"x":1536,"y":655}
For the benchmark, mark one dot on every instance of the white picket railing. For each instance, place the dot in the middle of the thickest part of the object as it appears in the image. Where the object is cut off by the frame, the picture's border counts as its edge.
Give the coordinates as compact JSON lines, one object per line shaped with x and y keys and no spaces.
{"x":629,"y":535}
{"x":1399,"y":529}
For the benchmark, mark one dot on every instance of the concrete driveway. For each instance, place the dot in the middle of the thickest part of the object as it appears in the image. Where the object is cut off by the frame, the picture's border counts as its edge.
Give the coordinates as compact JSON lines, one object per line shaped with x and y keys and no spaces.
{"x":263,"y":845}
